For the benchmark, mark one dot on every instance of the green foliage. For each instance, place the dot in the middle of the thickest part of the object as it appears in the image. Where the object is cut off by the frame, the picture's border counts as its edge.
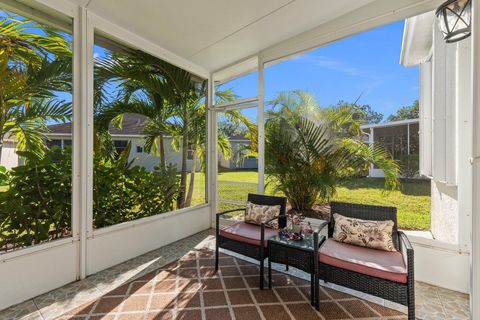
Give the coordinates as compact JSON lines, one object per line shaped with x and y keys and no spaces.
{"x":309,"y":151}
{"x":409,"y":165}
{"x":4,"y":176}
{"x":408,"y":112}
{"x":371,"y":115}
{"x":35,"y":64}
{"x":122,"y":193}
{"x":171,"y":100}
{"x":37,"y":205}
{"x":363,"y":113}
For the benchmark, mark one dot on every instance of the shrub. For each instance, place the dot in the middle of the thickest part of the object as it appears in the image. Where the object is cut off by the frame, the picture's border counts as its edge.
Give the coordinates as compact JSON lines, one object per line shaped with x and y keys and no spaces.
{"x":122,"y":193}
{"x":409,"y":165}
{"x":309,"y":150}
{"x":37,"y":204}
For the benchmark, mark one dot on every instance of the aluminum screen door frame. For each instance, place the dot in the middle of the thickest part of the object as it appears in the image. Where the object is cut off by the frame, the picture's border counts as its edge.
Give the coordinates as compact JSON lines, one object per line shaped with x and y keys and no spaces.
{"x":214,"y":110}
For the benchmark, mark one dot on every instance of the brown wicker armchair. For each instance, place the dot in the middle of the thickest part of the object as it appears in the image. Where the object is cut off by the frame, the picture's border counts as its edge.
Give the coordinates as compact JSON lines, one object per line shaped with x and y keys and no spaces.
{"x":368,"y":270}
{"x":245,"y":238}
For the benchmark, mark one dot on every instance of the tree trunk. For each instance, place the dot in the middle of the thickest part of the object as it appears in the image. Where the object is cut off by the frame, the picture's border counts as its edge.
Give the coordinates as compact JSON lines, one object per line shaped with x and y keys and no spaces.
{"x":161,"y":150}
{"x":188,"y":201}
{"x":183,"y":174}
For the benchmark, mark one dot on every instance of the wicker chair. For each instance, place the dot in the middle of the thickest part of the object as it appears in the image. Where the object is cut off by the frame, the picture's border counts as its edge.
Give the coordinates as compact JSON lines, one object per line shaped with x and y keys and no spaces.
{"x":400,"y":289}
{"x":246,"y":239}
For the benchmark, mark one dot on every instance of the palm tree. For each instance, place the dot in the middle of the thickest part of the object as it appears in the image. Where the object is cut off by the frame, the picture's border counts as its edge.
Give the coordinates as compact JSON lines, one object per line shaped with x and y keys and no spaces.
{"x":171,"y":100}
{"x":309,"y":150}
{"x":33,"y":67}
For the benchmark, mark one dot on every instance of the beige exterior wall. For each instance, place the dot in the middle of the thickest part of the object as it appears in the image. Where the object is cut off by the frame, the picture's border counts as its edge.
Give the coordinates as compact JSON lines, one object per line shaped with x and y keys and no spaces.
{"x":9,"y":157}
{"x":143,"y":159}
{"x":149,"y":161}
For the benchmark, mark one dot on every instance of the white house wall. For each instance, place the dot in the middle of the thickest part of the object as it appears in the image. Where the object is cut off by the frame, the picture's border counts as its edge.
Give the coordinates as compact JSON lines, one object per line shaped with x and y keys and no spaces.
{"x":149,"y":161}
{"x":113,"y":245}
{"x":464,"y":142}
{"x":9,"y":157}
{"x":451,"y":140}
{"x":230,"y":163}
{"x":441,"y":264}
{"x":444,"y":212}
{"x":144,"y":159}
{"x":425,"y":123}
{"x":445,"y":149}
{"x":33,"y":271}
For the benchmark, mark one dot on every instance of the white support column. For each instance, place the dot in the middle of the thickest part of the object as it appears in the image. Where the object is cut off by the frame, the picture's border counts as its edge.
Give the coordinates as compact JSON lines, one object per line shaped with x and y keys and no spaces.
{"x":80,"y":139}
{"x":370,"y":143}
{"x":408,"y":138}
{"x":212,"y":155}
{"x":261,"y":127}
{"x":475,"y":253}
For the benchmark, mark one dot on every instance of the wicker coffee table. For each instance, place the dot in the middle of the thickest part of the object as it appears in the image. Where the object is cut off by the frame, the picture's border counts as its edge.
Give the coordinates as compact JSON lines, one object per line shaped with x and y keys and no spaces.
{"x":299,"y":254}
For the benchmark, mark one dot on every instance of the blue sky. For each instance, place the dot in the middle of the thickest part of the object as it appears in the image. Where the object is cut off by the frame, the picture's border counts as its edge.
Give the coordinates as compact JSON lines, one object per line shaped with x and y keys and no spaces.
{"x":367,"y":62}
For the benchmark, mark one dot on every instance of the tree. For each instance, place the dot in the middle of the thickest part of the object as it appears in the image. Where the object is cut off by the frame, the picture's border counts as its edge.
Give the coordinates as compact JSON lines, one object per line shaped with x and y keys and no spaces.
{"x":372,"y":116}
{"x":35,"y":64}
{"x":142,"y":92}
{"x":308,"y":152}
{"x":231,"y":127}
{"x":408,"y":112}
{"x":364,"y":113}
{"x":171,"y":100}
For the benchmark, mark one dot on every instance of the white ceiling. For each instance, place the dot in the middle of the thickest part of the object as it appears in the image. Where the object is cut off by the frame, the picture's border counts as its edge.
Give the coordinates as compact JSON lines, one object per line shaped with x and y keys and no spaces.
{"x":217,"y":33}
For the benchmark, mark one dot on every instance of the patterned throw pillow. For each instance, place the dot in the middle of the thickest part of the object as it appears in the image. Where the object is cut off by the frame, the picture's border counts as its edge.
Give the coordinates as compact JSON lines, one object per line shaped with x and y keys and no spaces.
{"x":365,"y":233}
{"x":257,"y":213}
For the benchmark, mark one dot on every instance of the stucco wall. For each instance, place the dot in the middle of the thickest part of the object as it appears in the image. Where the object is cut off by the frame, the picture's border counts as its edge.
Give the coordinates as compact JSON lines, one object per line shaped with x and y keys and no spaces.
{"x":444,"y":212}
{"x":451,"y":145}
{"x":149,"y":161}
{"x":9,"y":157}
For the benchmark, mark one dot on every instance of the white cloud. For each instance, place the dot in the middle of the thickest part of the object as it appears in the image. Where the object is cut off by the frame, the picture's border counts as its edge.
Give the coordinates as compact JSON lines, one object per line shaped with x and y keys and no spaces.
{"x":329,"y":63}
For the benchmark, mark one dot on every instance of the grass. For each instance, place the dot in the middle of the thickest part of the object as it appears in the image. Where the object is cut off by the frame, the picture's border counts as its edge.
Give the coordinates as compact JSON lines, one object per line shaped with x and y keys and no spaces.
{"x":412,"y":199}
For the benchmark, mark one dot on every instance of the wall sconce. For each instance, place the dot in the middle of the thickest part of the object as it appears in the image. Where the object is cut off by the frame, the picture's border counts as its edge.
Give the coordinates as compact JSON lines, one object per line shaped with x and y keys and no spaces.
{"x":455,"y":17}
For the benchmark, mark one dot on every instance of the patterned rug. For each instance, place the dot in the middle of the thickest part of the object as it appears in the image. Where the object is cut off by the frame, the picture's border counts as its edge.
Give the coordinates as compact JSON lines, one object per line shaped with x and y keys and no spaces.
{"x":189,"y":289}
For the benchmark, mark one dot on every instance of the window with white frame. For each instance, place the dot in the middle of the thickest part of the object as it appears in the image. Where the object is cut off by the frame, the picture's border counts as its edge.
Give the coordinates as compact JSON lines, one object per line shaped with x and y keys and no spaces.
{"x":129,"y":103}
{"x":39,"y":70}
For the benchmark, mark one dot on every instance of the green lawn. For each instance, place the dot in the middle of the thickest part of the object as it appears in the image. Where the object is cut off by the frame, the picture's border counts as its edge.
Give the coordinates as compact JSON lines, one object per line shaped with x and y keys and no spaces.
{"x":412,"y":199}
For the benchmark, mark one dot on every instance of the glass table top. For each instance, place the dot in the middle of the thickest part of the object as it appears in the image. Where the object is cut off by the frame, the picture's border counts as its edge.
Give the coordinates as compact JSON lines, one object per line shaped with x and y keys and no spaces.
{"x":305,"y":244}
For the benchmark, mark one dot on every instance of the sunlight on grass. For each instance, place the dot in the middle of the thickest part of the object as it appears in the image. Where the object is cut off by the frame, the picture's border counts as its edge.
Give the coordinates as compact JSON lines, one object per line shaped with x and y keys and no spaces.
{"x":412,"y":199}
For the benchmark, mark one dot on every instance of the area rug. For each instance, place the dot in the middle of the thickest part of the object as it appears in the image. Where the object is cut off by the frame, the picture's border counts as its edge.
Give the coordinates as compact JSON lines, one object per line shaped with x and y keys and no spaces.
{"x":190,"y":289}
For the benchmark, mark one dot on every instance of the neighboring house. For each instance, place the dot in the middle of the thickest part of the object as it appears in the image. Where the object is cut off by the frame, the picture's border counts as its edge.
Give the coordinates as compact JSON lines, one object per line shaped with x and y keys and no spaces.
{"x":239,"y":159}
{"x":446,"y":115}
{"x":10,"y":159}
{"x":131,"y":131}
{"x":400,"y":138}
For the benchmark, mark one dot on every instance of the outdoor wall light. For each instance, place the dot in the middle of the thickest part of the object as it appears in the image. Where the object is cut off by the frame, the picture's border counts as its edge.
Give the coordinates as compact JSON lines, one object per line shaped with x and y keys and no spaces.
{"x":455,"y":17}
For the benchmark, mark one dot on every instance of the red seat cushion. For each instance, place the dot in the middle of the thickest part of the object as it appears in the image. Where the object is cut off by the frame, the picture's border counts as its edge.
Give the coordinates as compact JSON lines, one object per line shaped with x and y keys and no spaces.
{"x":248,"y":233}
{"x":375,"y":263}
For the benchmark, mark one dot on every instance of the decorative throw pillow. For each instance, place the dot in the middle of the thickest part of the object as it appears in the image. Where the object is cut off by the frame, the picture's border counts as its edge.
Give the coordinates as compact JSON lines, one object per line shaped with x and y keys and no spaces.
{"x":365,"y":233}
{"x":257,"y":213}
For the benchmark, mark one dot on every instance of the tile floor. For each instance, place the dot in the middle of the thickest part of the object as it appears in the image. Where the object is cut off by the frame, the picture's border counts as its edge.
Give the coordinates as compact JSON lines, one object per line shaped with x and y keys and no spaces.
{"x":431,"y":302}
{"x":190,"y":289}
